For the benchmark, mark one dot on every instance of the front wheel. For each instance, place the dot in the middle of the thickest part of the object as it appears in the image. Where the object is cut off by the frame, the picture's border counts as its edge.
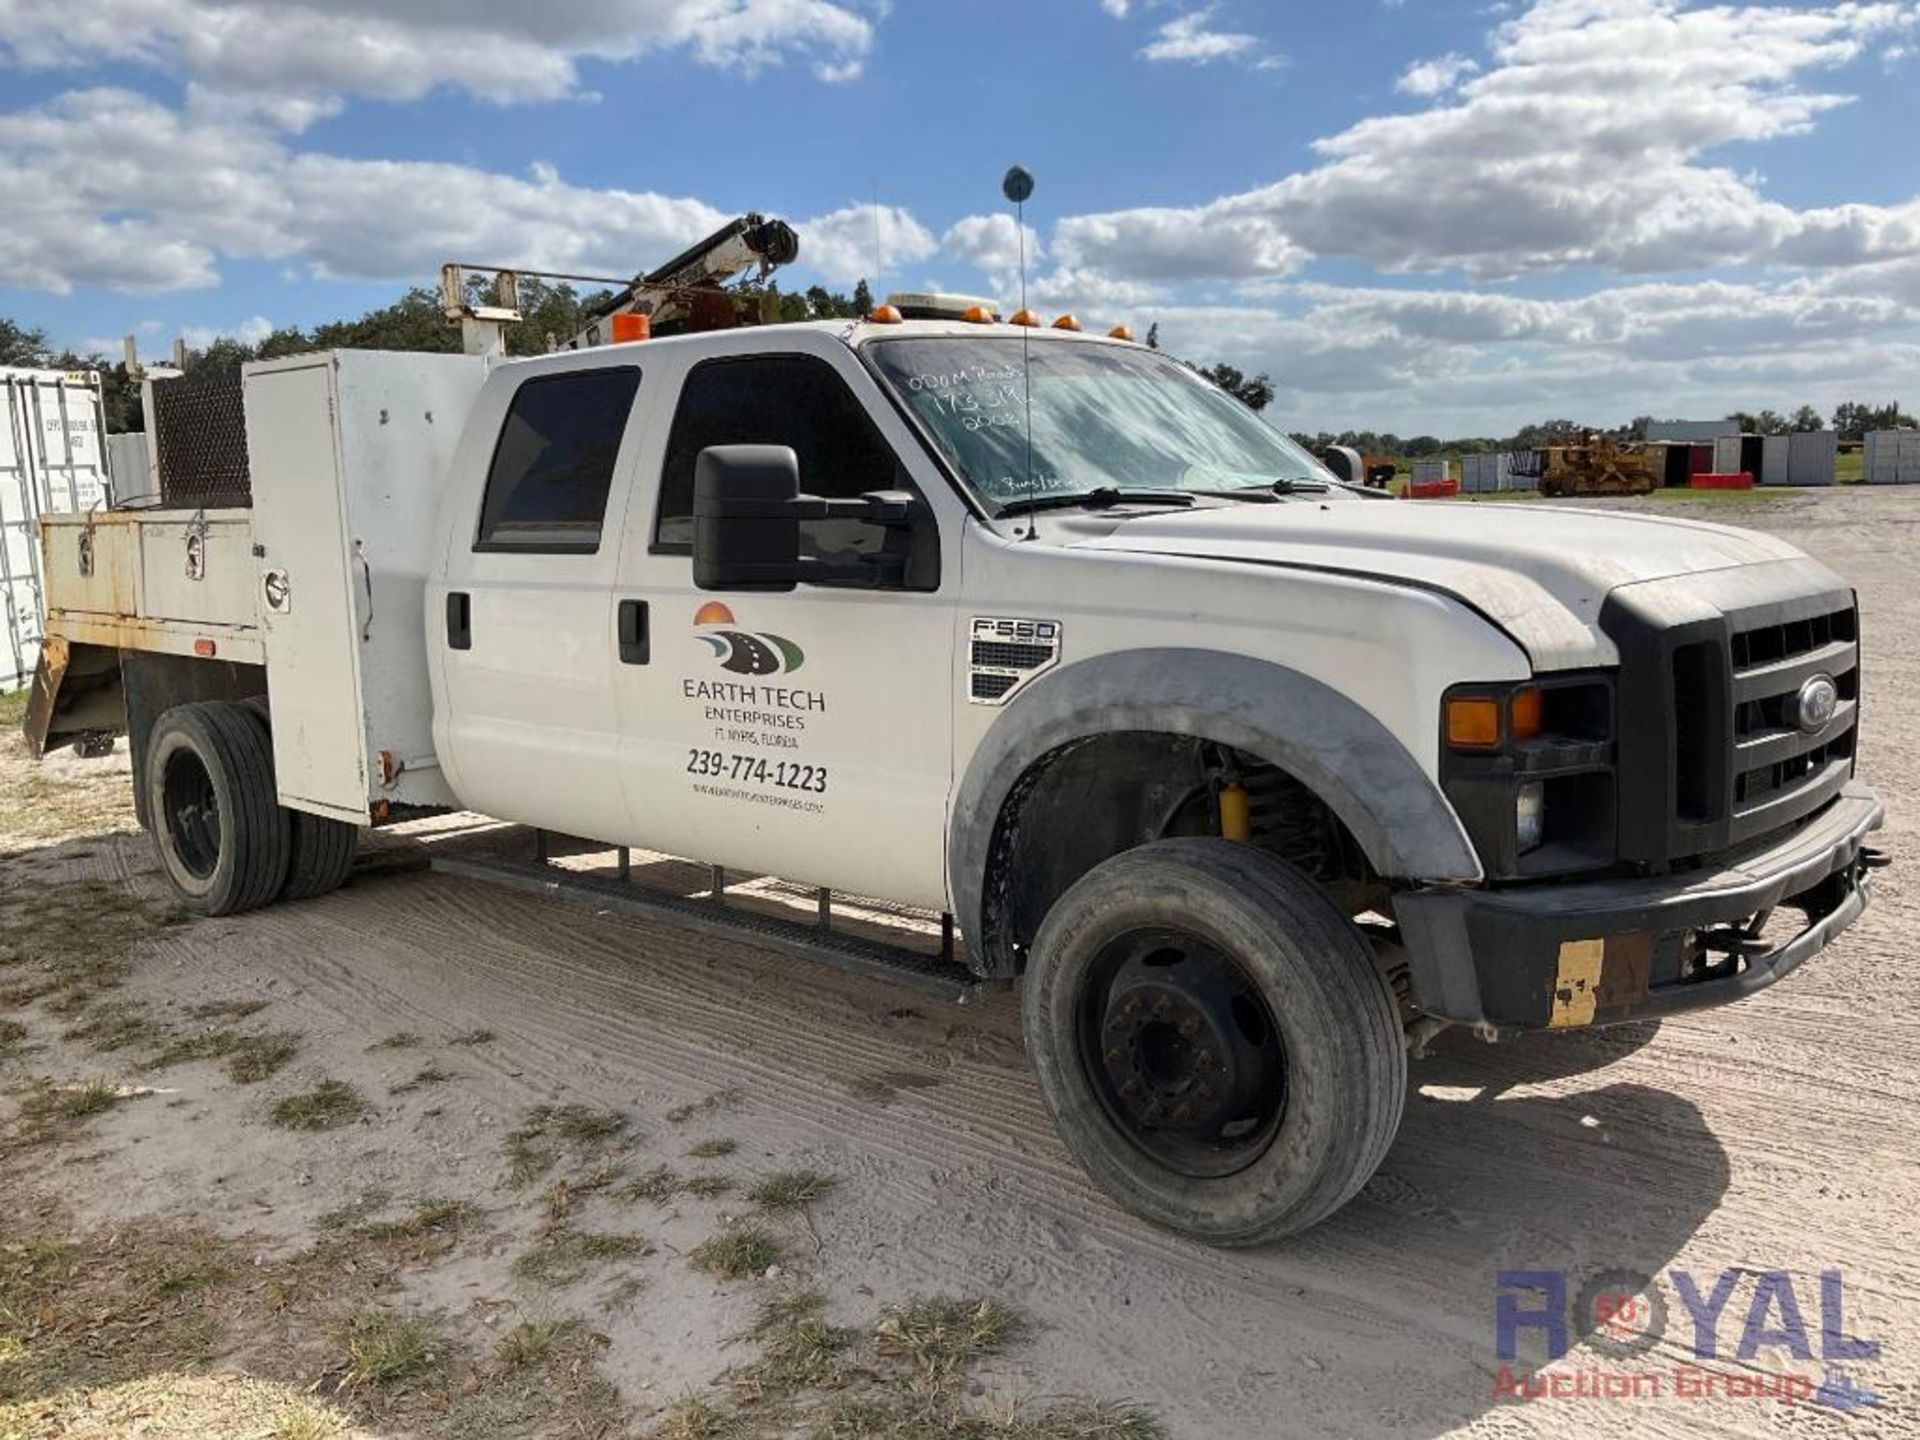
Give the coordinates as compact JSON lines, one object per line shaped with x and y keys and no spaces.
{"x":1214,"y":1041}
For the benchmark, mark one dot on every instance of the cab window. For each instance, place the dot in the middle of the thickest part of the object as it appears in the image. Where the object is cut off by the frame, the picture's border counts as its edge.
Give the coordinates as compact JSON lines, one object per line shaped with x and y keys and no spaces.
{"x":553,"y":464}
{"x":791,"y":400}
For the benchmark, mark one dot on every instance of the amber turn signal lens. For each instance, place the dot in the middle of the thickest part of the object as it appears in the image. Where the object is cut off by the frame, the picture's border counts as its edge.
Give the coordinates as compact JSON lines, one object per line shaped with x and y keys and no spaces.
{"x":1473,"y":723}
{"x":1529,"y":711}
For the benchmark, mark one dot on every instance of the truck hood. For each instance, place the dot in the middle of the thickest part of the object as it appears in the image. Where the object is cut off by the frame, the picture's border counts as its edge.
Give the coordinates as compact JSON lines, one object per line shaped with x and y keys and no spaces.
{"x":1541,"y":572}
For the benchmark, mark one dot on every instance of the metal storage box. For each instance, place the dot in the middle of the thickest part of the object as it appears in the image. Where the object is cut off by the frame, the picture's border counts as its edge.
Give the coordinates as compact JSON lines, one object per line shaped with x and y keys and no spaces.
{"x":1810,"y":458}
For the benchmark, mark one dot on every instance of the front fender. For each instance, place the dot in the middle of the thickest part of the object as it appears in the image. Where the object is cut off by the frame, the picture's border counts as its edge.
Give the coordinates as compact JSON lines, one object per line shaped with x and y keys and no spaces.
{"x":1336,"y":749}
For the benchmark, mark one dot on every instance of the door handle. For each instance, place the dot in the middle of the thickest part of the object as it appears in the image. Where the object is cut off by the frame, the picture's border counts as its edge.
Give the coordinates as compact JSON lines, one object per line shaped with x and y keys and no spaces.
{"x":635,"y":641}
{"x":459,"y":620}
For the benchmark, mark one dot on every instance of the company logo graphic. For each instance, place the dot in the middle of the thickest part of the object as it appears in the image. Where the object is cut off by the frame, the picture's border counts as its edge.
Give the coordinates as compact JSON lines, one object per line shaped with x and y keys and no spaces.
{"x":1789,"y":1342}
{"x":745,"y":652}
{"x":1819,"y":698}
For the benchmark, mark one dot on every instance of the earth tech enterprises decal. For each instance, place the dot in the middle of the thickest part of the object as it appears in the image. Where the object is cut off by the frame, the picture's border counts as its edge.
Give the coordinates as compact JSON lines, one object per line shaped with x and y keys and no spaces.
{"x":757,"y":728}
{"x":741,"y":652}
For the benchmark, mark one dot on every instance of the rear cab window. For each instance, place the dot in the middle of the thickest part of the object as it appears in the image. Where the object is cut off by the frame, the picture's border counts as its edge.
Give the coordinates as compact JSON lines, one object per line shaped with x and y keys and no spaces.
{"x":553,"y":464}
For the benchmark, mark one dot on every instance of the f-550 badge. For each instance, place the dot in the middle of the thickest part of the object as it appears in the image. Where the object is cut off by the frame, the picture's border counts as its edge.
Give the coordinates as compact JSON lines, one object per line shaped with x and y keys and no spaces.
{"x":744,"y":652}
{"x":1005,"y":654}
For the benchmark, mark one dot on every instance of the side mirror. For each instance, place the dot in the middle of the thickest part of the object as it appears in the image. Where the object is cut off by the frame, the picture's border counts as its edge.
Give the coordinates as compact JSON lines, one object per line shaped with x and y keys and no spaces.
{"x":747,"y":510}
{"x":746,"y":519}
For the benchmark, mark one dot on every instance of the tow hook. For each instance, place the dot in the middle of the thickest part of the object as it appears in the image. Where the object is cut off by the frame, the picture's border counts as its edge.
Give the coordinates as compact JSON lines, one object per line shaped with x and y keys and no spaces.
{"x":1872,"y":859}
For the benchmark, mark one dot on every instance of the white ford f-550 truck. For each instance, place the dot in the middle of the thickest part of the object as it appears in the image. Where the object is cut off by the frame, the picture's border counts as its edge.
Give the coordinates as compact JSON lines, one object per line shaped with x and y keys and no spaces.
{"x":1254,"y":780}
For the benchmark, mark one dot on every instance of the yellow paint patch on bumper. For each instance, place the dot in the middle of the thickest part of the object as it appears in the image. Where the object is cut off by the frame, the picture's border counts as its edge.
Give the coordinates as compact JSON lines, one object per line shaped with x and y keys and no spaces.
{"x":1576,"y":985}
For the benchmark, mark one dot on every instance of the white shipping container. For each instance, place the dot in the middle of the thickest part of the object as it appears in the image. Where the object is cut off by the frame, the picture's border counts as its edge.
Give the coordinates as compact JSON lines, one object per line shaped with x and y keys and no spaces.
{"x":1484,"y":474}
{"x":52,"y":460}
{"x":1775,"y":453}
{"x":1811,"y":457}
{"x":1893,"y":457}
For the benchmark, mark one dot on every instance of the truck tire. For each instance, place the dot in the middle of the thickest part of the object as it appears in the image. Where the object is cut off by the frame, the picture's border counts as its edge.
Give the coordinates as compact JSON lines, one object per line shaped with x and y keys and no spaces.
{"x":1213,"y":1040}
{"x":220,"y":833}
{"x":320,"y":850}
{"x":322,"y":854}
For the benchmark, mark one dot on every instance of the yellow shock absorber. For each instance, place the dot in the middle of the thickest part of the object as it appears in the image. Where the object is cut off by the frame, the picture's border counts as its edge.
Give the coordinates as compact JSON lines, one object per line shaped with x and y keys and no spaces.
{"x":1236,"y":816}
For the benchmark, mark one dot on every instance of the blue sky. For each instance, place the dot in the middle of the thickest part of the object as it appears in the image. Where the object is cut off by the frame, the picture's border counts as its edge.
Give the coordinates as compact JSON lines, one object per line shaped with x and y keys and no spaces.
{"x":1436,"y":216}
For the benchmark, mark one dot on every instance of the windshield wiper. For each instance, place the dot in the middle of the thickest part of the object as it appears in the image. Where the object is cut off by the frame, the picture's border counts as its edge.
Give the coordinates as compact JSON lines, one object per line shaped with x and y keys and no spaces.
{"x":1101,"y":497}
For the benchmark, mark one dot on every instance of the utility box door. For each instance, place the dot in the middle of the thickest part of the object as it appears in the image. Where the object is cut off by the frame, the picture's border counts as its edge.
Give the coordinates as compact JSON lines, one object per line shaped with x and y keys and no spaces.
{"x":305,"y":594}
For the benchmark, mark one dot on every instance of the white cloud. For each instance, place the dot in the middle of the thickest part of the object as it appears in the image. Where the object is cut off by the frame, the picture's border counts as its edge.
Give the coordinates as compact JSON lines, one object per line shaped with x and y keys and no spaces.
{"x":247,"y":332}
{"x":1189,"y":39}
{"x":292,"y":55}
{"x":1428,"y":78}
{"x":992,"y":242}
{"x":1584,"y":143}
{"x":1115,"y":8}
{"x":840,"y":244}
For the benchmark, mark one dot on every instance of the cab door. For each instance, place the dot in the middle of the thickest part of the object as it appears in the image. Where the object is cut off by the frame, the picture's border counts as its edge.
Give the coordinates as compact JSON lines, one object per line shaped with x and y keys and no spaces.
{"x":805,"y":734}
{"x":526,"y":720}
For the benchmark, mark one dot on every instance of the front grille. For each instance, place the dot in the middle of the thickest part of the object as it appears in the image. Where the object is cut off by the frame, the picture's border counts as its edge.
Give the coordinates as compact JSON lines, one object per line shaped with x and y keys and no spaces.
{"x":1780,"y":771}
{"x":1712,"y":754}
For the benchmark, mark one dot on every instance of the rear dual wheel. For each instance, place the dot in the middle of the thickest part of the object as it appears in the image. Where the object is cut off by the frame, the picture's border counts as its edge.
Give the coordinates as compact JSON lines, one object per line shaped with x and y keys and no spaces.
{"x":1214,"y":1041}
{"x":224,"y":841}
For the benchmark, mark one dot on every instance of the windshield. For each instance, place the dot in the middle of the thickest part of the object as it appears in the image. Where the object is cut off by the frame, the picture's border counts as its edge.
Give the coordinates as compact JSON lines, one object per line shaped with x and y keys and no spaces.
{"x":1105,"y":417}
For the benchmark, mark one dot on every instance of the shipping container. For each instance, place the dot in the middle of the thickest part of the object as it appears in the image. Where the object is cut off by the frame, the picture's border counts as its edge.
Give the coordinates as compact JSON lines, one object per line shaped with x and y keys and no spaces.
{"x":1893,"y":457}
{"x":53,"y":460}
{"x":1692,"y":432}
{"x":1484,"y":474}
{"x":1811,"y":457}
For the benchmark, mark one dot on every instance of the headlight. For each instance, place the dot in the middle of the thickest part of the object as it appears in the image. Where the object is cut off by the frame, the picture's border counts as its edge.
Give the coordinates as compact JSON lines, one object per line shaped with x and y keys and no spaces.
{"x":1511,"y":751}
{"x":1530,"y":815}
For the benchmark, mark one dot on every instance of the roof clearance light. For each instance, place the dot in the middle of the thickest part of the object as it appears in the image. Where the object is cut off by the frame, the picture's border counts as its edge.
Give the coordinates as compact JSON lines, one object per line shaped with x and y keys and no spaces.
{"x":1120,"y":332}
{"x":978,"y":315}
{"x":1025,"y":317}
{"x":1066,"y":322}
{"x":932,"y":305}
{"x":884,"y":315}
{"x":631,"y":326}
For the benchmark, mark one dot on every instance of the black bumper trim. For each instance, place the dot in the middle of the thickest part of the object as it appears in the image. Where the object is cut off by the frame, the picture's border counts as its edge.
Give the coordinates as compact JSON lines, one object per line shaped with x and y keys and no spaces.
{"x":1495,"y":957}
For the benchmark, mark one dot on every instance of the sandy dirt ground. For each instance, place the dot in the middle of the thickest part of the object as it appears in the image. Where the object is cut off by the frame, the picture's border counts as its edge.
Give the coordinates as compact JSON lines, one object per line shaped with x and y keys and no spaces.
{"x":1776,"y":1136}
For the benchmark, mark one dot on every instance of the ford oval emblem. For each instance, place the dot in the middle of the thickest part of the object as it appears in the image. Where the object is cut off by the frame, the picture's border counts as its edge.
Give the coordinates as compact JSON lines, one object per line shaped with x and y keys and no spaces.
{"x":1819,"y":698}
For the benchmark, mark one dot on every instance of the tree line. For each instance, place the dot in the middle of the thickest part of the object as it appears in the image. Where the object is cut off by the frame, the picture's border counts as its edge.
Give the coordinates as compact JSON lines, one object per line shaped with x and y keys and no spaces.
{"x":553,"y":314}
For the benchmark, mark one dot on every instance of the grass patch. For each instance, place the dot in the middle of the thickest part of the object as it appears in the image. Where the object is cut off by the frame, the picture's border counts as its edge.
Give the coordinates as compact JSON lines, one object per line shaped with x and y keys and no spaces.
{"x":530,"y":1342}
{"x":549,"y":1131}
{"x":737,"y":1253}
{"x":564,"y":1196}
{"x":942,"y":1335}
{"x":68,"y":944}
{"x":384,"y":1346}
{"x":789,"y":1190}
{"x":227,"y":1009}
{"x":799,"y":1350}
{"x":711,"y":1105}
{"x":564,"y":1255}
{"x":691,"y":1418}
{"x":13,"y":1038}
{"x":713,"y":1149}
{"x":249,"y":1059}
{"x":434,"y":1227}
{"x":474,"y":1037}
{"x":50,"y":1113}
{"x":399,"y":1040}
{"x":113,"y":1025}
{"x":328,"y":1106}
{"x":428,"y":1074}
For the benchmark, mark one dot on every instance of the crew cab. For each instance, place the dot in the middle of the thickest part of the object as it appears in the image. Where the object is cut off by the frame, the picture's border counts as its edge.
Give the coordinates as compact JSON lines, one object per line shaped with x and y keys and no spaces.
{"x":1253,"y":780}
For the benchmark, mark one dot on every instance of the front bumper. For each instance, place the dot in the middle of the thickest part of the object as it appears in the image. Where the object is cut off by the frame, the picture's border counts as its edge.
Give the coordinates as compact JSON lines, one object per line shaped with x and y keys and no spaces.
{"x":1552,"y":956}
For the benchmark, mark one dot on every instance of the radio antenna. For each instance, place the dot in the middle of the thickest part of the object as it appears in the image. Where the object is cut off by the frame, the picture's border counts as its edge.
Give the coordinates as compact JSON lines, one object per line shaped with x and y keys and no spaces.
{"x":1017,"y":186}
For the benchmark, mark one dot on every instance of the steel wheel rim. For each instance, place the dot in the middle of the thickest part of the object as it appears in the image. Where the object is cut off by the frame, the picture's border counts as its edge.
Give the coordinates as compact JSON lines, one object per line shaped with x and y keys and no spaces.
{"x":1183,"y":1050}
{"x":191,"y":809}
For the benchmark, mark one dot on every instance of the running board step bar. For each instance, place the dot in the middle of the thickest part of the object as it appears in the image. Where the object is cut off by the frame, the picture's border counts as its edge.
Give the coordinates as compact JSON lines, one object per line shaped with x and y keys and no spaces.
{"x":854,"y":954}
